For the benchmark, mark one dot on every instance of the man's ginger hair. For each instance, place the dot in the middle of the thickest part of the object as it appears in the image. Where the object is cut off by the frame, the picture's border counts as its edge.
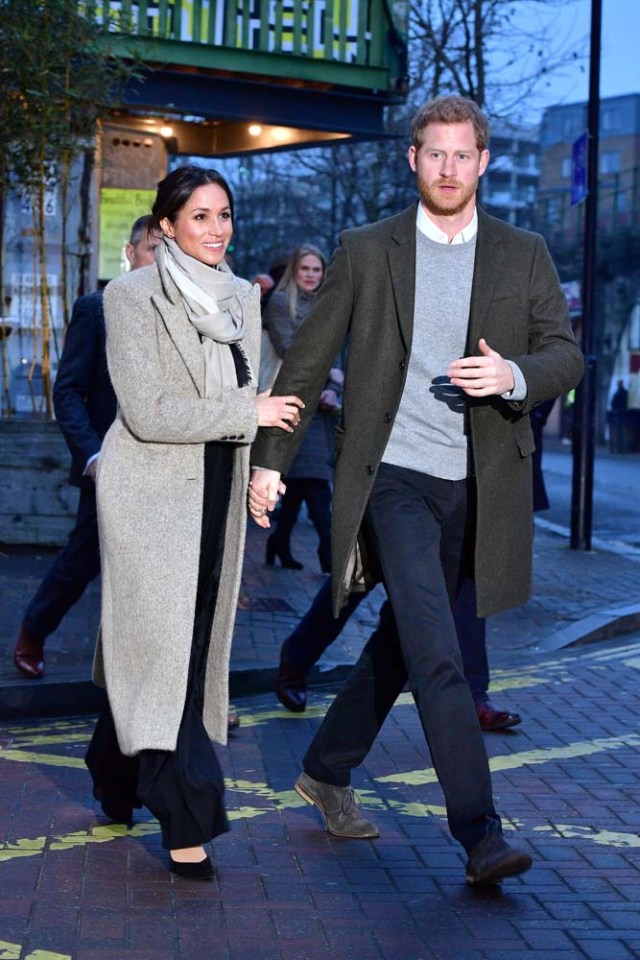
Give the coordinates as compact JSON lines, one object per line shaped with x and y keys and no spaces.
{"x":450,"y":109}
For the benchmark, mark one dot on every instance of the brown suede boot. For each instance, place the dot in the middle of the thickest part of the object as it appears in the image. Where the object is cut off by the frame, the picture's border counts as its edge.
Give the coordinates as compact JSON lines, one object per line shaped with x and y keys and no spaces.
{"x":28,"y":655}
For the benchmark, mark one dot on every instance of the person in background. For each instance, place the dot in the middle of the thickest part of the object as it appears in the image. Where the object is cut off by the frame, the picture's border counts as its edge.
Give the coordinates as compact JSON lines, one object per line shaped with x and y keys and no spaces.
{"x":318,"y":628}
{"x":265,"y":282}
{"x":85,"y":407}
{"x":309,"y":477}
{"x":172,"y":517}
{"x":457,"y":327}
{"x":619,"y":403}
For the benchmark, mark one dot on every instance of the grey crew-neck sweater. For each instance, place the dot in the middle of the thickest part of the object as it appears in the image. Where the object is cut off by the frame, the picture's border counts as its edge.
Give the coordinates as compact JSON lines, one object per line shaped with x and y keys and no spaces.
{"x":428,"y":433}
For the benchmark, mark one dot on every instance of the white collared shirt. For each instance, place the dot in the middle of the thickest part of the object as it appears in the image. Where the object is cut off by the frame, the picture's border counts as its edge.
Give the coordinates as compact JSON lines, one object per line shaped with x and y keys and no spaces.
{"x":431,"y":230}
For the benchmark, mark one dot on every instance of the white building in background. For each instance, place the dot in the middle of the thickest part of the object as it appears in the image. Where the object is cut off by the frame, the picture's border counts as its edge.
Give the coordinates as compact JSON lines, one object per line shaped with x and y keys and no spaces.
{"x":510,"y":184}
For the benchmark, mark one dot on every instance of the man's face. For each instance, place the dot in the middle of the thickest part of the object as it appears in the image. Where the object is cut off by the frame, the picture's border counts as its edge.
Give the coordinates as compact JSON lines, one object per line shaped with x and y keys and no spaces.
{"x":143,"y":253}
{"x":448,"y":166}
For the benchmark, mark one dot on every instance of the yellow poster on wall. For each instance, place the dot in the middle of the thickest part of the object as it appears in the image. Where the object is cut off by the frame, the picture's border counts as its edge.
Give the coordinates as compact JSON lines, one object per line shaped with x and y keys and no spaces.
{"x":119,"y":209}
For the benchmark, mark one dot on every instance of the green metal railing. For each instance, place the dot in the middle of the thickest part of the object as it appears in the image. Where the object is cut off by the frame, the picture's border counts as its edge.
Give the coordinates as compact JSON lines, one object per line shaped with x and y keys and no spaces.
{"x":364,"y":35}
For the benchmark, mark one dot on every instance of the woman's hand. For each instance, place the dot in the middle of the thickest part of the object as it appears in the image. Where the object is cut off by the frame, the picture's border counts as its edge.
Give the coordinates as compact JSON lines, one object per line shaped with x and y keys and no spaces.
{"x":280,"y":412}
{"x":265,"y":487}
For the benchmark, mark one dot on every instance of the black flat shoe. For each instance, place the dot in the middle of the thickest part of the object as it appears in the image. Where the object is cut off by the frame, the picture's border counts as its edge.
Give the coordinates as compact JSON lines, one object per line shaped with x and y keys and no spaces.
{"x":202,"y":870}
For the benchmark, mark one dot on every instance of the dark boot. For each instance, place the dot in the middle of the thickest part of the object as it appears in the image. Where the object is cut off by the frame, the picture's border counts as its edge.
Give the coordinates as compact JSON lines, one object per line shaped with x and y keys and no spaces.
{"x":28,"y":655}
{"x":291,"y":687}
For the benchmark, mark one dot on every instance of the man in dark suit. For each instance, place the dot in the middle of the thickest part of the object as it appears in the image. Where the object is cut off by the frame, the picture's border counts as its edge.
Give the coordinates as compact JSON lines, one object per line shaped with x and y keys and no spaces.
{"x":85,"y":406}
{"x":457,"y":327}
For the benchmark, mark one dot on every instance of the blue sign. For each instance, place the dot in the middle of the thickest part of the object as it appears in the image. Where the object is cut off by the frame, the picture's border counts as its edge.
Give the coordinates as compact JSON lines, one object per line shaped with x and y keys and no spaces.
{"x":579,"y":170}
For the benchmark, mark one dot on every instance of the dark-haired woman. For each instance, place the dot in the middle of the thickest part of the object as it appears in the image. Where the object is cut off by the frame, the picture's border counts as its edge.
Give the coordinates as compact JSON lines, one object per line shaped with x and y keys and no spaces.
{"x":182,"y":348}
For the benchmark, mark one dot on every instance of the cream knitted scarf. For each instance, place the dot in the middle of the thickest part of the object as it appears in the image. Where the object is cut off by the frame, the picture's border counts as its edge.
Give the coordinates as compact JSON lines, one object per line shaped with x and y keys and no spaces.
{"x":213,"y":305}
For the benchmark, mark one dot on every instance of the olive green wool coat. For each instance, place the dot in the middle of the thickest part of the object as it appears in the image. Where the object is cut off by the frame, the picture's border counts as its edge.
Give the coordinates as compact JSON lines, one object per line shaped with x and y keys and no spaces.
{"x":517,"y":305}
{"x":149,"y":491}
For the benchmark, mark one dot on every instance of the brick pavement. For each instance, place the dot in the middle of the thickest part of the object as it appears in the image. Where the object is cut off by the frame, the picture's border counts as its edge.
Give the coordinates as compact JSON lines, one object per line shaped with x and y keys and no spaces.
{"x":74,"y":887}
{"x":570,"y":587}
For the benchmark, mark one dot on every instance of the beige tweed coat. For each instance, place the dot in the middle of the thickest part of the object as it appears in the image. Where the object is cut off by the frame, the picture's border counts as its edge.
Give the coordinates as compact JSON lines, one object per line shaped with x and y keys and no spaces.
{"x":149,"y":491}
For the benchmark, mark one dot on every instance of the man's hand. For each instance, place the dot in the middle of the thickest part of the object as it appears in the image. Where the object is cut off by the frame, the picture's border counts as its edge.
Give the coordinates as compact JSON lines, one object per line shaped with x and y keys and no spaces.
{"x":92,"y":469}
{"x":264,"y":488}
{"x":486,"y":376}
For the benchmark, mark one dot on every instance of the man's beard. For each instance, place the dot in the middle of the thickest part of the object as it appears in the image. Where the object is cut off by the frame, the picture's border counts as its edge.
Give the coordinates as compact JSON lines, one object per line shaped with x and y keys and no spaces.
{"x":432,"y":200}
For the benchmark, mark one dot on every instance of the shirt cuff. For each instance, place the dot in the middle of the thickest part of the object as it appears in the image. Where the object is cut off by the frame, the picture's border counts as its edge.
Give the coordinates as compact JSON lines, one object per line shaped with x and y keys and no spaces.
{"x":519,"y":391}
{"x":89,"y":462}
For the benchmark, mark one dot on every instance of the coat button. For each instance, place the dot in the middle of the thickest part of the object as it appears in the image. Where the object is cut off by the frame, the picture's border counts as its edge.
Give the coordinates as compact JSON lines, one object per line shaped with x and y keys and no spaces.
{"x":368,"y":469}
{"x":224,"y":438}
{"x":387,"y":418}
{"x":402,"y":364}
{"x":241,"y":436}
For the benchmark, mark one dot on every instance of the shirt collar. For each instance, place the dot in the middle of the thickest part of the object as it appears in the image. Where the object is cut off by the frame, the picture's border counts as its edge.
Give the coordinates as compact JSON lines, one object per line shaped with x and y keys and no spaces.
{"x":426,"y":226}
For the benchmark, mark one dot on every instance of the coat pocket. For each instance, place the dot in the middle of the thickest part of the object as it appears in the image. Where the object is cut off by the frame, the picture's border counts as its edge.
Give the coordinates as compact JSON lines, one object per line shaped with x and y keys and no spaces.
{"x":524,"y":437}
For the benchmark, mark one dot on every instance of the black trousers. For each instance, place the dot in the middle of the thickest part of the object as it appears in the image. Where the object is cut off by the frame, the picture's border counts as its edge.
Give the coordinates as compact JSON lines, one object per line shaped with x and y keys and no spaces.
{"x":182,"y":788}
{"x":75,"y":566}
{"x":317,"y":495}
{"x":318,"y":628}
{"x":420,"y":525}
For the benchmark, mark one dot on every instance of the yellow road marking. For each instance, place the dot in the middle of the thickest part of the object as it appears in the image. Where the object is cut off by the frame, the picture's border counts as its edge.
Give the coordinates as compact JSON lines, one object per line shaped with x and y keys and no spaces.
{"x":13,"y":951}
{"x":606,"y":838}
{"x":46,"y":759}
{"x":513,"y":761}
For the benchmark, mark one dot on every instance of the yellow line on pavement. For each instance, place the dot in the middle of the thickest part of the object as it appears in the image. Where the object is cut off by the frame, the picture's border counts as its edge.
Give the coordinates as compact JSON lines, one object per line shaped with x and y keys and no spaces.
{"x":30,"y":847}
{"x":606,"y":838}
{"x":47,"y":759}
{"x":513,"y":761}
{"x":45,"y":740}
{"x":13,"y":951}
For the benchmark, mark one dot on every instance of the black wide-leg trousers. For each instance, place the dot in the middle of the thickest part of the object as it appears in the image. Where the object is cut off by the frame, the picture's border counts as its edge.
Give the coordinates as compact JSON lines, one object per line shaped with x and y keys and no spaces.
{"x":183,"y":788}
{"x":420,"y":525}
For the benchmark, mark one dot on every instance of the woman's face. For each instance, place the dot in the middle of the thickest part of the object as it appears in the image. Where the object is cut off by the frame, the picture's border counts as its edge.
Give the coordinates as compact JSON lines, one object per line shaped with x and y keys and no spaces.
{"x":203,"y":227}
{"x":308,"y":273}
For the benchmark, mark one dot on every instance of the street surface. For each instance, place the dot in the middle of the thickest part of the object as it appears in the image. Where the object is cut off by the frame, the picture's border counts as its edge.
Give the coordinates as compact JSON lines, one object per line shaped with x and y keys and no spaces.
{"x":75,"y":887}
{"x":567,"y":781}
{"x":616,"y":506}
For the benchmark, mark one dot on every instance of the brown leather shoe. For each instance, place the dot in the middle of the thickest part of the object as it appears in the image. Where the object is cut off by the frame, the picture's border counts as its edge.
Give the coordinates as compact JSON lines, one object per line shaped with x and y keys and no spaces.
{"x":493,"y":860}
{"x":291,"y":687}
{"x":28,"y":655}
{"x":493,"y":719}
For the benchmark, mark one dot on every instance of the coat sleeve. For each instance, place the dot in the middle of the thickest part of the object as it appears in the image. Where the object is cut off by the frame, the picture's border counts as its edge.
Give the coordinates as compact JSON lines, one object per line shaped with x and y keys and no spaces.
{"x":80,"y":355}
{"x":279,"y":323}
{"x":309,"y":359}
{"x":553,"y":363}
{"x":155,"y":408}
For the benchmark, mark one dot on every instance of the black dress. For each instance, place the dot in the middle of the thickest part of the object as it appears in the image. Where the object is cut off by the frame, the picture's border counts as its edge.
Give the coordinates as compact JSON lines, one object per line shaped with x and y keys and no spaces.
{"x":183,"y":788}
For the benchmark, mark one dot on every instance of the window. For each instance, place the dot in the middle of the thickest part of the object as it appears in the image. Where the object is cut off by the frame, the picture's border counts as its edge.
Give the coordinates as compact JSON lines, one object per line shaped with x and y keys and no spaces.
{"x":610,"y":161}
{"x":565,"y":167}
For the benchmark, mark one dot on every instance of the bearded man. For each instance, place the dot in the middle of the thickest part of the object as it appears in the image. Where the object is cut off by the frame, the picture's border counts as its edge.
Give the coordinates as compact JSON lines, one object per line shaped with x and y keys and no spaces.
{"x":457,"y":328}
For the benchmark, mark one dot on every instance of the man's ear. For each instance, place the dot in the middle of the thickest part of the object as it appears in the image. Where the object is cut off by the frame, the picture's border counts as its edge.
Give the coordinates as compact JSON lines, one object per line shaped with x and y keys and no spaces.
{"x":128,"y":252}
{"x":411,"y":157}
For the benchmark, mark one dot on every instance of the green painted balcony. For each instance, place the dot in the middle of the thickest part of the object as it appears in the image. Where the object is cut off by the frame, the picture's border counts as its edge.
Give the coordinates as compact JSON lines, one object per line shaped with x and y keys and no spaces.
{"x":352,"y":43}
{"x":316,"y":69}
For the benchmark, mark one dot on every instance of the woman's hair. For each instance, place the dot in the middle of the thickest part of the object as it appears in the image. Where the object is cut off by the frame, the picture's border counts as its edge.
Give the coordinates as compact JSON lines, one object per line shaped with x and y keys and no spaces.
{"x":176,"y":188}
{"x":288,"y":283}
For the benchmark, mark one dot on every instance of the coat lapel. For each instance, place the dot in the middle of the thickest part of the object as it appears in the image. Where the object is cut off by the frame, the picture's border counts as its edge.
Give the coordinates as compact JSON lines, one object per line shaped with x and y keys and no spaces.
{"x":487,"y":271}
{"x":402,"y":266}
{"x":185,"y":338}
{"x":183,"y":334}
